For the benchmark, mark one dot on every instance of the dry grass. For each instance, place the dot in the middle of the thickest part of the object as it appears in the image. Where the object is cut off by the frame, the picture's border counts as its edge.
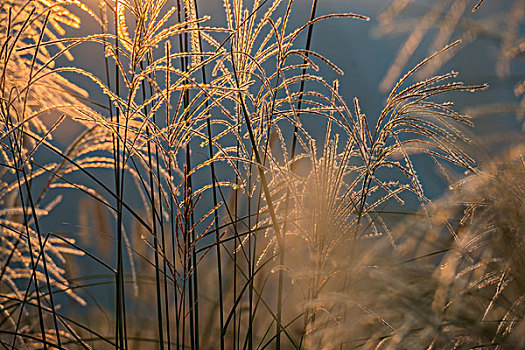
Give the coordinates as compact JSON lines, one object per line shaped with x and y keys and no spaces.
{"x":458,"y":282}
{"x":211,"y":215}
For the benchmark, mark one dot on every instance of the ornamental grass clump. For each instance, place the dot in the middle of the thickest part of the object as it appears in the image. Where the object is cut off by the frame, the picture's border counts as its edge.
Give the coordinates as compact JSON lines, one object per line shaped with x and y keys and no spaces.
{"x":211,"y":214}
{"x":458,"y":282}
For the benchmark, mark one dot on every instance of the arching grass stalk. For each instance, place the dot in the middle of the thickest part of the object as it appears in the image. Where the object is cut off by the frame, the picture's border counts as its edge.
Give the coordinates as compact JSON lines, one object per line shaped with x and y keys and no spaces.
{"x":292,"y":155}
{"x":259,"y":163}
{"x":17,"y":151}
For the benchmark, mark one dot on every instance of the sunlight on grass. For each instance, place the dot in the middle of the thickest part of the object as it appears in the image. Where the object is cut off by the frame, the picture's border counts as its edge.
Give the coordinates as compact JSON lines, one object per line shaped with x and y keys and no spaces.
{"x":214,"y":186}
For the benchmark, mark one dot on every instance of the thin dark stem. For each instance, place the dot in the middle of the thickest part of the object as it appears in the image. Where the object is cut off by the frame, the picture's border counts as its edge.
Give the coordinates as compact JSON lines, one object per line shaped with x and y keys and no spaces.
{"x":292,"y":155}
{"x":214,"y":193}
